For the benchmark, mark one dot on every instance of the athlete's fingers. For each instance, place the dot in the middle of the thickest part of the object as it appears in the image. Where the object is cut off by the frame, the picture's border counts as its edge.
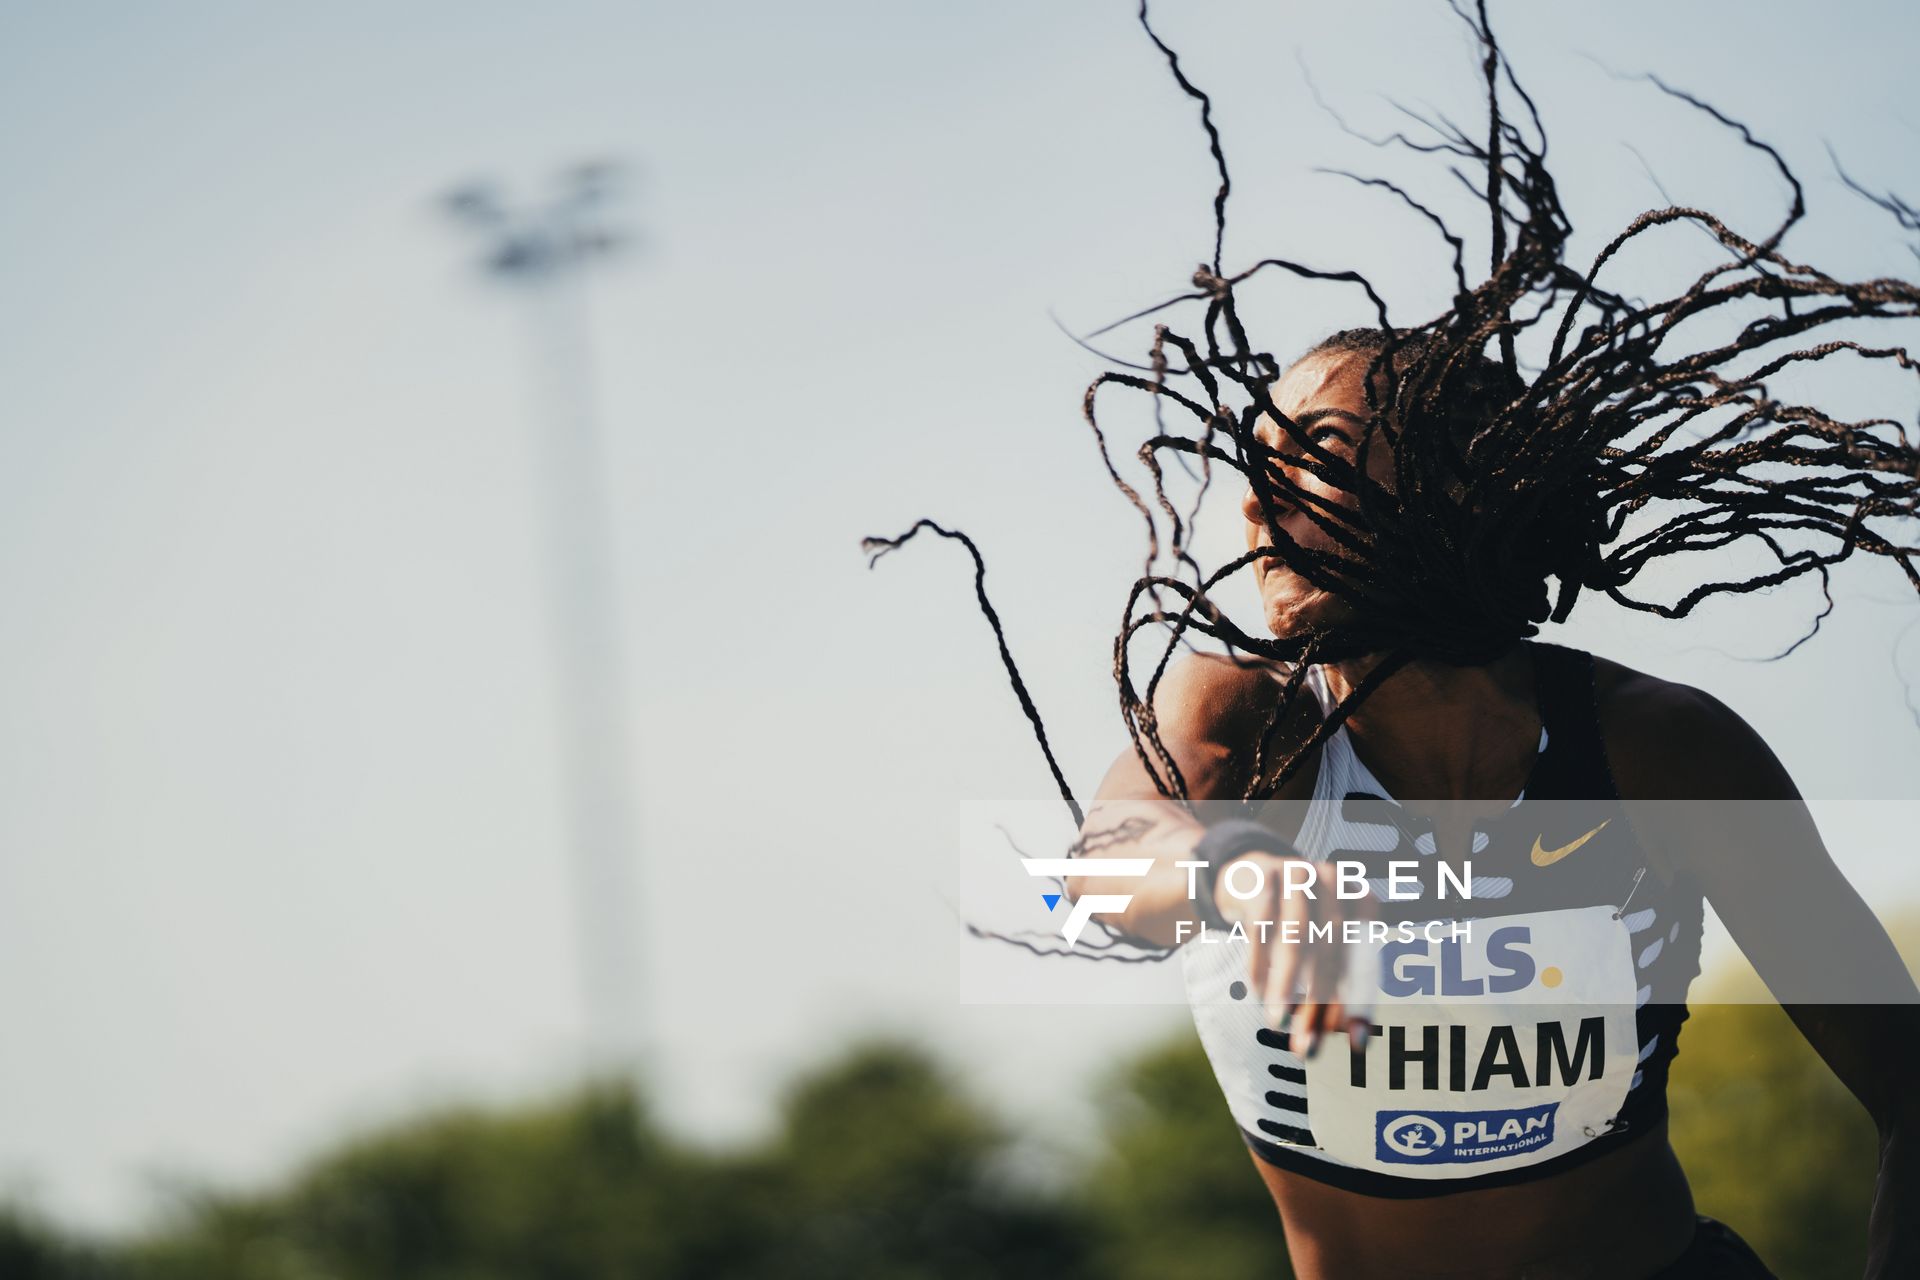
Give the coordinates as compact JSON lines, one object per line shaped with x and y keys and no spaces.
{"x":1277,"y":994}
{"x":1323,"y":972}
{"x":1306,"y":1021}
{"x":1357,"y":1029}
{"x":1285,"y":958}
{"x":1329,"y":1016}
{"x":1320,"y":1019}
{"x":1360,"y":982}
{"x":1359,"y":987}
{"x":1260,"y":950}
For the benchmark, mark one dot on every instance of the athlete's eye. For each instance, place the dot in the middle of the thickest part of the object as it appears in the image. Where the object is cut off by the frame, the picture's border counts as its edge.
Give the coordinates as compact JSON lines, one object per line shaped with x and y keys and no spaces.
{"x":1322,"y":436}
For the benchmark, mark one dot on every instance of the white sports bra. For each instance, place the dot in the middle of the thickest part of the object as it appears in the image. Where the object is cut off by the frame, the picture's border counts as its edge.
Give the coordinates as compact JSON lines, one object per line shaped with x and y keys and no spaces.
{"x":1541,"y":1041}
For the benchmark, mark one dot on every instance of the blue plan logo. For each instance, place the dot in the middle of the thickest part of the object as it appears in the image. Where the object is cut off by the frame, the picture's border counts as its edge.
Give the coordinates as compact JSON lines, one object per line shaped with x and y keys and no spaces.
{"x":1456,"y":1137}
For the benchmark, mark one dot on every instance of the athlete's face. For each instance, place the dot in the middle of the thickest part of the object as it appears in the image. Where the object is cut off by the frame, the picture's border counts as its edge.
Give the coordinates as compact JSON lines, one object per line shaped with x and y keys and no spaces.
{"x":1324,"y":394}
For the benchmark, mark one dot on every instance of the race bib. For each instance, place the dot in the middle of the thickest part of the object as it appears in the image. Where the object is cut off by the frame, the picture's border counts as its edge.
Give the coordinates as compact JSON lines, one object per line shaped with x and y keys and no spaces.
{"x":1491,"y":1052}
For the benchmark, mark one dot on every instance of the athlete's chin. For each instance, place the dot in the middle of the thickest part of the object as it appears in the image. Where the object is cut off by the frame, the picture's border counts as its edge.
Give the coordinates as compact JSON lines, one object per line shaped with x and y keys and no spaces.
{"x":1295,"y":608}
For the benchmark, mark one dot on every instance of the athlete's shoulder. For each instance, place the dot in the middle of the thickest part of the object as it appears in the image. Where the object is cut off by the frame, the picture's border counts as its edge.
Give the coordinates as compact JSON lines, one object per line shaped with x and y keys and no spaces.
{"x":1208,"y":698}
{"x":1208,"y":710}
{"x":1214,"y":686}
{"x":1218,"y":698}
{"x":1667,"y":740}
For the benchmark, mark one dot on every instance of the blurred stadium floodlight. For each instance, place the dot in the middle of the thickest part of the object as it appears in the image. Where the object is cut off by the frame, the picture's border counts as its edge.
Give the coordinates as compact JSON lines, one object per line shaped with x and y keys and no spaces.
{"x":544,"y":250}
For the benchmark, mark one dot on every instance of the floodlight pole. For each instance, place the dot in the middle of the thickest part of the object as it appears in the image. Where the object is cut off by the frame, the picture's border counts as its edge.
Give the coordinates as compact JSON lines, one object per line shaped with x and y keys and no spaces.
{"x":544,"y":251}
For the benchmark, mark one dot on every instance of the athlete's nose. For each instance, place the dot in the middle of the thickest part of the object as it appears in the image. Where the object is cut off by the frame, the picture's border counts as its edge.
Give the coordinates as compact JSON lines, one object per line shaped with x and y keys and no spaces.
{"x":1250,"y":507}
{"x":1277,"y":502}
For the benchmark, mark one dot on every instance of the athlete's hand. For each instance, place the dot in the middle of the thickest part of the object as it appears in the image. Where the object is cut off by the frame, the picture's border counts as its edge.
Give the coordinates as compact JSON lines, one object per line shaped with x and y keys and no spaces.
{"x":1297,"y":975}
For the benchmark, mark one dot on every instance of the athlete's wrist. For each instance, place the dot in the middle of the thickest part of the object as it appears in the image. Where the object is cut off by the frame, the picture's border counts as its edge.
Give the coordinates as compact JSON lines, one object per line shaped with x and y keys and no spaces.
{"x":1224,"y":844}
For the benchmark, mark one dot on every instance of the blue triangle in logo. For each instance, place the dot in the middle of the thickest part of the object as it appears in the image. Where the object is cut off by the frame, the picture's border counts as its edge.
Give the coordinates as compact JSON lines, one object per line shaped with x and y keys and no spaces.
{"x":1051,"y":899}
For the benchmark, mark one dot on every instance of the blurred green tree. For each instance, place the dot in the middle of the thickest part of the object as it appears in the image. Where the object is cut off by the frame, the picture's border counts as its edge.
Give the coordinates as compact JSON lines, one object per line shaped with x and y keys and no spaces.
{"x":583,"y":1187}
{"x":31,"y":1248}
{"x":882,"y":1167}
{"x":885,"y":1169}
{"x":1772,"y":1142}
{"x":1177,"y":1193}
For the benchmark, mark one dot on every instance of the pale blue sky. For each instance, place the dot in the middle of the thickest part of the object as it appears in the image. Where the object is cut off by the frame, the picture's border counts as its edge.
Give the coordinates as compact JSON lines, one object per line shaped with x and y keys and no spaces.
{"x":278,"y":824}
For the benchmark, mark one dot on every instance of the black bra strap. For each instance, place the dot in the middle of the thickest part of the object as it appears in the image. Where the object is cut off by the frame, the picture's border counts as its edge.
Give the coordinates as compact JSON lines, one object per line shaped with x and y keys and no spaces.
{"x":1575,"y":765}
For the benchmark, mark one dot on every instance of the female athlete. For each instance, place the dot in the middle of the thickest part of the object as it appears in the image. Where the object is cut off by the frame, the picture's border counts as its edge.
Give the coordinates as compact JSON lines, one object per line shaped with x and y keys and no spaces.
{"x":1490,"y":1101}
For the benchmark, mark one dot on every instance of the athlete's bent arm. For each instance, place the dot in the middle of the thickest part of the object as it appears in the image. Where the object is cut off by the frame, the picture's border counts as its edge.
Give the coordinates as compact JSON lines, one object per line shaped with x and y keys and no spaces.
{"x":1202,"y":705}
{"x":1209,"y":712}
{"x":1748,"y":841}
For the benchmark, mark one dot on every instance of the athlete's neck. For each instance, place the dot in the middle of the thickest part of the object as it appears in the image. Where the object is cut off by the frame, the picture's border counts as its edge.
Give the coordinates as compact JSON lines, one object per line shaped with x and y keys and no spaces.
{"x":1438,"y":732}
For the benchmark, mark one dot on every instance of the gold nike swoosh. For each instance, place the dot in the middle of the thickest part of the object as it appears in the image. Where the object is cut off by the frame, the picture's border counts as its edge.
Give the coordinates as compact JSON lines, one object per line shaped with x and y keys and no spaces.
{"x":1547,"y":857}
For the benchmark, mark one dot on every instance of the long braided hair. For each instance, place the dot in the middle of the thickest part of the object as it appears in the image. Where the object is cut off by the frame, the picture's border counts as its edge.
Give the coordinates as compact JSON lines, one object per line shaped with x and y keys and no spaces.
{"x":1616,"y":444}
